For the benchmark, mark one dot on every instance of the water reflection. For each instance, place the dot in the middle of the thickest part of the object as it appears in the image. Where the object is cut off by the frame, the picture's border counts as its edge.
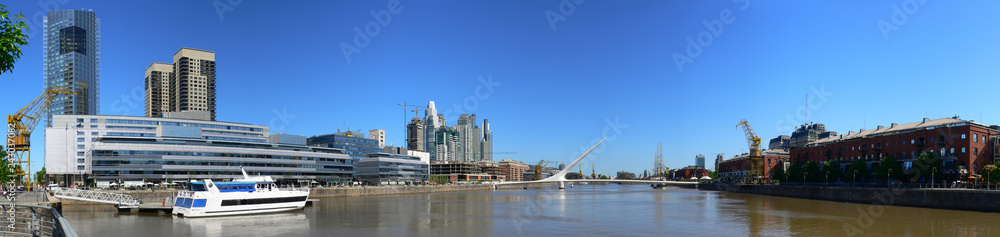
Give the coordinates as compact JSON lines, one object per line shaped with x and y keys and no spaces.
{"x":585,"y":210}
{"x":278,"y":224}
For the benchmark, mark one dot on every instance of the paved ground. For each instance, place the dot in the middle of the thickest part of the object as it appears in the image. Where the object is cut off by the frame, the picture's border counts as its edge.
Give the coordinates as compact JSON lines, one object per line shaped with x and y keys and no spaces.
{"x":31,"y":197}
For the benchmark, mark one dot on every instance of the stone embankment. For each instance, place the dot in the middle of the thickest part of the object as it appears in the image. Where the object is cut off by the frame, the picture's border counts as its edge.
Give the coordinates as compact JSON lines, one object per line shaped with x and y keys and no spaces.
{"x":941,"y":198}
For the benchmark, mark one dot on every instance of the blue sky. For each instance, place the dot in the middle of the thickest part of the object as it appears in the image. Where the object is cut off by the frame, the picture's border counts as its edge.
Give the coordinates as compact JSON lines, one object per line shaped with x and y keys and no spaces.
{"x":557,"y":85}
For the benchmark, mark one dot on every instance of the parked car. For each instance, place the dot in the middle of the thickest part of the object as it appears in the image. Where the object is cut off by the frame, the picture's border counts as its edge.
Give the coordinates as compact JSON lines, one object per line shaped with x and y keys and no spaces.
{"x":52,"y":187}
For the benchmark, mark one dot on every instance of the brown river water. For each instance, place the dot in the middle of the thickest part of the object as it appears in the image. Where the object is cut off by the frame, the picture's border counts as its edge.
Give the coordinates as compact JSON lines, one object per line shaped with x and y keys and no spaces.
{"x":584,"y":210}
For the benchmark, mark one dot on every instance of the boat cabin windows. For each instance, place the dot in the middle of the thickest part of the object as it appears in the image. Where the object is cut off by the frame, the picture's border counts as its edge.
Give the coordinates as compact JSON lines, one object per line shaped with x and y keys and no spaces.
{"x":198,"y":187}
{"x":235,"y":187}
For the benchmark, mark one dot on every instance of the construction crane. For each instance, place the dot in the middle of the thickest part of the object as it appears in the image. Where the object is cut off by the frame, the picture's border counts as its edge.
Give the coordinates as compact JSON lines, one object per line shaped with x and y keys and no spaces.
{"x":416,"y":112}
{"x":406,"y":140}
{"x":755,"y":171}
{"x":538,"y":168}
{"x":19,"y":127}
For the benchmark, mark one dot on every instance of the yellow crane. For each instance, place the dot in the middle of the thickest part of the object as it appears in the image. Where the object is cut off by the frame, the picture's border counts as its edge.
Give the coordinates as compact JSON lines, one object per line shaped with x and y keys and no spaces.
{"x":538,"y":168}
{"x":755,"y":171}
{"x":19,"y":127}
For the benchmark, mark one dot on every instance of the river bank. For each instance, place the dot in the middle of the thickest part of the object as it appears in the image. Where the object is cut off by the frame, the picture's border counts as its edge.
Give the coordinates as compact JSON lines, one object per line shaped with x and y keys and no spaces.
{"x":939,"y":198}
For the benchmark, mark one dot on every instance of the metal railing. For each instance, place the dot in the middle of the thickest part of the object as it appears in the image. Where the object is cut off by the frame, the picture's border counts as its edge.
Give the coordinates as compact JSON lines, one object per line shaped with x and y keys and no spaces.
{"x":33,"y":220}
{"x":96,"y":196}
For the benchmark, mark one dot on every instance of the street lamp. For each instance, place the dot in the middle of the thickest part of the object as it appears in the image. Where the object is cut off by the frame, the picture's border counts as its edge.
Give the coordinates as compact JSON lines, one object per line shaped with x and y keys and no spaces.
{"x":887,"y":183}
{"x":855,"y":177}
{"x":933,"y":170}
{"x":989,"y":175}
{"x":828,"y":178}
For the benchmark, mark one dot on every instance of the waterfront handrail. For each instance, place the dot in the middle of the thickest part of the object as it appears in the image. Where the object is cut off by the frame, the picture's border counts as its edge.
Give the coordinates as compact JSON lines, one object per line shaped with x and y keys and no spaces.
{"x":33,"y":220}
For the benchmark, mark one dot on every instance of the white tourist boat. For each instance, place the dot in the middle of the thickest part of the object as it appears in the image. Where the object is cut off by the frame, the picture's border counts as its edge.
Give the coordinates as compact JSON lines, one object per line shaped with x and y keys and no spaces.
{"x":247,"y":195}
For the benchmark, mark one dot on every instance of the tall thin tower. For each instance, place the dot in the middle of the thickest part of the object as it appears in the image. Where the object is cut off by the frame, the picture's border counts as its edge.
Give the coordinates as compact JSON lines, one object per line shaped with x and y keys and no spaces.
{"x":658,"y":170}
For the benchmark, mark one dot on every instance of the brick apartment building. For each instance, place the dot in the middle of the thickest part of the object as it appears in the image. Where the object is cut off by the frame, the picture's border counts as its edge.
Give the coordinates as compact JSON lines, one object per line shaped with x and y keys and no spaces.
{"x":735,"y":169}
{"x":964,"y":146}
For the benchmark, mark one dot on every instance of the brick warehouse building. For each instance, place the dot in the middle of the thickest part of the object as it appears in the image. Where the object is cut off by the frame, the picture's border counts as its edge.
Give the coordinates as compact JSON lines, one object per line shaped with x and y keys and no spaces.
{"x":964,"y":146}
{"x":735,"y":169}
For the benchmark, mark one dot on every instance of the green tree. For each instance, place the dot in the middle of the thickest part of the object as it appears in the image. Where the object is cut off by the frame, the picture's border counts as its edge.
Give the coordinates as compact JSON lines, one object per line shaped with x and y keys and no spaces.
{"x":991,"y":173}
{"x":779,"y":173}
{"x":831,"y":171}
{"x":812,"y":172}
{"x":795,"y":172}
{"x":713,"y":175}
{"x":889,"y":167}
{"x":40,"y":176}
{"x":857,"y":172}
{"x":12,"y":37}
{"x":928,"y":166}
{"x":5,"y":173}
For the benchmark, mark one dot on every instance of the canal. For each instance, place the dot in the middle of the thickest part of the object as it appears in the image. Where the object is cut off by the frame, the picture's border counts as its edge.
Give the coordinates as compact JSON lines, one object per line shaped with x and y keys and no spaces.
{"x":585,"y":210}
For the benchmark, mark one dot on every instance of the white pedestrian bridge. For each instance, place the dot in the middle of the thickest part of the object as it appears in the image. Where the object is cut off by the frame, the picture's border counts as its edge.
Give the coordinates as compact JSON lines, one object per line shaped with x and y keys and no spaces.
{"x":560,"y":177}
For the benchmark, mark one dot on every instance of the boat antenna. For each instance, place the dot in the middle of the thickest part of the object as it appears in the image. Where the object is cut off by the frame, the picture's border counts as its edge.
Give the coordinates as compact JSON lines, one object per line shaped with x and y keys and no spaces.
{"x":245,"y":176}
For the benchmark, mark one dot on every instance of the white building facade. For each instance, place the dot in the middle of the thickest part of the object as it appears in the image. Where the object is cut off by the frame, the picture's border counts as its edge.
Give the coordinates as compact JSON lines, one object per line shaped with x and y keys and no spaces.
{"x":114,"y":148}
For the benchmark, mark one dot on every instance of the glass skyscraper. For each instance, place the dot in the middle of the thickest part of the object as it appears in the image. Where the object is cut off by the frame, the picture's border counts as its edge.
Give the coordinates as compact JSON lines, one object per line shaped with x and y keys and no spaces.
{"x":71,"y":57}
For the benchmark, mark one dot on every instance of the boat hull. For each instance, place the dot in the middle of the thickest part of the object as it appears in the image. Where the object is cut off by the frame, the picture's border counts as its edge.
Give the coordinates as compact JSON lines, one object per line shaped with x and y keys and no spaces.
{"x":247,"y":210}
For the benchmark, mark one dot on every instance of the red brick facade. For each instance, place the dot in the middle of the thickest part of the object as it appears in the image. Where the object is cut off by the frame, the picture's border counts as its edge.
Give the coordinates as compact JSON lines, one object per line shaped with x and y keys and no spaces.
{"x":961,"y":142}
{"x":736,"y":168}
{"x":690,"y":172}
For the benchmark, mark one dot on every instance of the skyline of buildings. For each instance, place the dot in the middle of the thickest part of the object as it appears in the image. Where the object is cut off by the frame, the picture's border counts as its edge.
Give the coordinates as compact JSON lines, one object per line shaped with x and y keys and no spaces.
{"x":464,"y":141}
{"x":71,"y":58}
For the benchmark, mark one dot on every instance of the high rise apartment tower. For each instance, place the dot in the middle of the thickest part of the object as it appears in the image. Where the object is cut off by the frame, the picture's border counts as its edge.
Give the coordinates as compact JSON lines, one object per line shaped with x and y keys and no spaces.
{"x":71,"y":58}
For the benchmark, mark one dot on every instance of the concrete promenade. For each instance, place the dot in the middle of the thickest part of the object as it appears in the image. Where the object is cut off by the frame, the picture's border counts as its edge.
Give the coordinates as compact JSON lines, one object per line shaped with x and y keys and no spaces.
{"x":158,"y":196}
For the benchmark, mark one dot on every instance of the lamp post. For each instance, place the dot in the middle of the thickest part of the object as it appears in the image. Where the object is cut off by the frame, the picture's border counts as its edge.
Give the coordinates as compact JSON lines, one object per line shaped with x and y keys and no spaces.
{"x":933,"y":170}
{"x":855,"y":177}
{"x":887,"y":175}
{"x":804,"y":177}
{"x":828,"y":178}
{"x":989,"y":175}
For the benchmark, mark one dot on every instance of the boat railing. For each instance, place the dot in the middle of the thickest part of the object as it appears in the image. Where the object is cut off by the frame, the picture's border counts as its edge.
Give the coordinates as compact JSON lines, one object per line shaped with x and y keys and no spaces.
{"x":33,"y":220}
{"x":293,"y":189}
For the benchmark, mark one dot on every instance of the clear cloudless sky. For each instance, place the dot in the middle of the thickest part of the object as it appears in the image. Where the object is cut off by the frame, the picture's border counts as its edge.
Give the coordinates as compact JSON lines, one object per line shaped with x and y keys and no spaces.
{"x":281,"y":64}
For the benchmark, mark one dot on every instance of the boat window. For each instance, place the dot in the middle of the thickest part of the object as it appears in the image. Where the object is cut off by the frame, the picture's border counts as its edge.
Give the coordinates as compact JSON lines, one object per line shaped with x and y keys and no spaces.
{"x":198,"y":187}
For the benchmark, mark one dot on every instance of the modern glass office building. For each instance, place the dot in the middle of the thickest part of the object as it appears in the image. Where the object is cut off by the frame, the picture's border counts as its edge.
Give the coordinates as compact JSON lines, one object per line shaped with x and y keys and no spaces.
{"x":392,"y":169}
{"x":353,"y":143}
{"x":71,"y":57}
{"x":104,"y":149}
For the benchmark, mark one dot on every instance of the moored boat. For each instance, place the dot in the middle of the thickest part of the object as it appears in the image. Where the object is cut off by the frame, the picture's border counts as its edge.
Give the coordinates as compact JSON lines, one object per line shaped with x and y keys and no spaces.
{"x":247,"y":195}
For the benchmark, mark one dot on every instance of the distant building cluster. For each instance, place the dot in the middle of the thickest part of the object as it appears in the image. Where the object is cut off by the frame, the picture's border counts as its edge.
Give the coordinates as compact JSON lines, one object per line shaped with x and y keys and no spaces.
{"x":465,"y":141}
